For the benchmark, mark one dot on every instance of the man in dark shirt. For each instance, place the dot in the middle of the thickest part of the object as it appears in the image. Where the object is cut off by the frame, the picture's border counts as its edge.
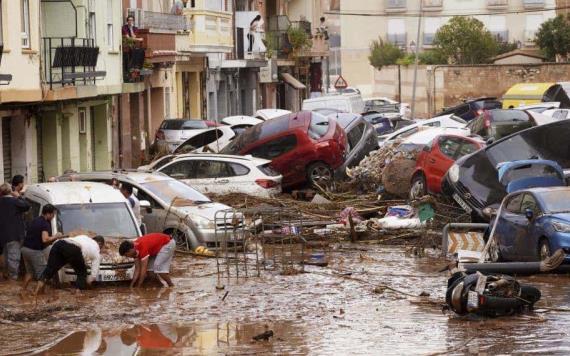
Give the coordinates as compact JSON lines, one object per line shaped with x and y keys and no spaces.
{"x":12,"y":230}
{"x":38,"y":237}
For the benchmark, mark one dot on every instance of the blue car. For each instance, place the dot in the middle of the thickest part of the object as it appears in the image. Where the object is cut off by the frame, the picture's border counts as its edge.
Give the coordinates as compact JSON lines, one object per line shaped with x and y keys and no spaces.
{"x":533,"y":224}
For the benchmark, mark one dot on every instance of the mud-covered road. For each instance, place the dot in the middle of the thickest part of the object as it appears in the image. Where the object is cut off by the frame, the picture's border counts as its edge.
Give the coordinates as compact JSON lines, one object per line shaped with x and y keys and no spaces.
{"x":336,"y":310}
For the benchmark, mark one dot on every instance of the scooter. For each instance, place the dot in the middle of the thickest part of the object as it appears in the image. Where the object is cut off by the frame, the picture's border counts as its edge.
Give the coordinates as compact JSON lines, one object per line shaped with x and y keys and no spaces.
{"x":489,"y":295}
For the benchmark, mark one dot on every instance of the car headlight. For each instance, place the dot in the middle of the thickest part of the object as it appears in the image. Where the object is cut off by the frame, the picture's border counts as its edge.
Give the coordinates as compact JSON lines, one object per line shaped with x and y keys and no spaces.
{"x":454,"y":173}
{"x":561,"y":227}
{"x":202,"y":222}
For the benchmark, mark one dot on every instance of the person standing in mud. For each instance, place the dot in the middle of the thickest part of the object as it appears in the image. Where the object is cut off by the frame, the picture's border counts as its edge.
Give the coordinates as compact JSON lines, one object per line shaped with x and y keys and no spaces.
{"x":76,"y":252}
{"x":153,"y":250}
{"x":38,"y":237}
{"x":12,"y":229}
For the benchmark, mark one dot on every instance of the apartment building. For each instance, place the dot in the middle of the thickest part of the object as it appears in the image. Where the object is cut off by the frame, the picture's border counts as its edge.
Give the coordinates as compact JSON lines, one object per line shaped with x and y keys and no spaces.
{"x":58,"y":106}
{"x":396,"y":21}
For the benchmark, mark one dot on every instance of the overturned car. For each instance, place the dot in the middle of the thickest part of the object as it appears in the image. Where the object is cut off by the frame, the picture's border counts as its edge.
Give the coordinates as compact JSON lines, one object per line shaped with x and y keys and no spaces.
{"x":473,"y":180}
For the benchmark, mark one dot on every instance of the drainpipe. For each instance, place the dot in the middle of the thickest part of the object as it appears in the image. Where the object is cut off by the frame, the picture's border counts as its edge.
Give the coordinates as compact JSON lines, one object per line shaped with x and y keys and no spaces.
{"x":416,"y":61}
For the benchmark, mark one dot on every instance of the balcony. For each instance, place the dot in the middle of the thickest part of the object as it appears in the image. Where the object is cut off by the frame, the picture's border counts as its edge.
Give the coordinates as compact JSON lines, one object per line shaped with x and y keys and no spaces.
{"x":392,"y":6}
{"x":242,"y":21}
{"x":533,"y":4}
{"x":278,"y":37}
{"x":159,"y":47}
{"x":432,"y":5}
{"x":497,"y":4}
{"x":69,"y":61}
{"x":211,"y":32}
{"x":158,"y":21}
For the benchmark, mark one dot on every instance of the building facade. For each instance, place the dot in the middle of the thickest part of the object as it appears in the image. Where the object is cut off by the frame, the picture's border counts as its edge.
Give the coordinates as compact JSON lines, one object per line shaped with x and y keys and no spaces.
{"x":396,"y":21}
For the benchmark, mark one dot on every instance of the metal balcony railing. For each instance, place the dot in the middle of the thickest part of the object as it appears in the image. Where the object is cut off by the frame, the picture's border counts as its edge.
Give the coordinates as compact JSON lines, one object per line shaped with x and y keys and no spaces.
{"x":160,"y":21}
{"x":70,"y":61}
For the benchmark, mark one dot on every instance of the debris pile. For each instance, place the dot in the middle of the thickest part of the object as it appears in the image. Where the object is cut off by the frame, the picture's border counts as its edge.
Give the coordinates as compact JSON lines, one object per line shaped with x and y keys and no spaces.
{"x":390,"y":167}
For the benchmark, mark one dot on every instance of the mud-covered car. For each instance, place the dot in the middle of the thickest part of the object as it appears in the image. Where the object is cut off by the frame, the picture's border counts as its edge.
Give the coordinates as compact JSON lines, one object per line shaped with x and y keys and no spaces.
{"x":92,"y":208}
{"x":473,"y":180}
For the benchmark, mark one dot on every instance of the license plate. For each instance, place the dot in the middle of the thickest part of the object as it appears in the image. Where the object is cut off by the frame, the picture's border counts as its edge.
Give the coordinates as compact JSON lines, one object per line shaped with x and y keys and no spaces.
{"x":113,"y":276}
{"x":472,"y":300}
{"x":108,"y":278}
{"x":461,"y":203}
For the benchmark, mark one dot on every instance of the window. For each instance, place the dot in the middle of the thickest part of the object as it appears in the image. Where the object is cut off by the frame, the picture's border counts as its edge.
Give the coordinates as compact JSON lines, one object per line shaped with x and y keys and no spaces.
{"x":448,"y":146}
{"x":239,"y":170}
{"x":528,"y":202}
{"x":514,"y":205}
{"x":355,"y":135}
{"x":560,"y":114}
{"x":396,"y":33}
{"x":466,"y":149}
{"x":110,"y":29}
{"x":25,"y":23}
{"x":213,"y":169}
{"x":142,"y":195}
{"x":92,"y":27}
{"x":533,"y":23}
{"x":82,"y":121}
{"x":275,"y":148}
{"x":180,"y":170}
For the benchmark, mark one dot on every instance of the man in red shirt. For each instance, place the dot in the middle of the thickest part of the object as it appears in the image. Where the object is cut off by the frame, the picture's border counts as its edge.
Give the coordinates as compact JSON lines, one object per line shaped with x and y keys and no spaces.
{"x":154,"y":250}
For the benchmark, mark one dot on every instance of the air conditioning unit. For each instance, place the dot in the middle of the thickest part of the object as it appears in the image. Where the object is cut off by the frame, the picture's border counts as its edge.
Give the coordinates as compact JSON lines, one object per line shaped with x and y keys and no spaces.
{"x":268,"y":74}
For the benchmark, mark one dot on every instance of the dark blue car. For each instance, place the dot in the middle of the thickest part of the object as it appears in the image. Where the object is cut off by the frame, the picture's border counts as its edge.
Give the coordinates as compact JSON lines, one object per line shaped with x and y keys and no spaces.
{"x":532,"y":225}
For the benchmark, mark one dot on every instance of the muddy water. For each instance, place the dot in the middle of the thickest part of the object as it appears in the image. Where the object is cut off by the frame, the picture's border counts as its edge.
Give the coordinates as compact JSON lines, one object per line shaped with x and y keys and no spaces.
{"x":332,"y":310}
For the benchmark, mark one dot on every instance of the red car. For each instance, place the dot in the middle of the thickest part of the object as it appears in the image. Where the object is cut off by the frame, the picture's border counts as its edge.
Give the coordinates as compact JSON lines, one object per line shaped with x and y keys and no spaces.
{"x":436,"y":158}
{"x":303,"y":147}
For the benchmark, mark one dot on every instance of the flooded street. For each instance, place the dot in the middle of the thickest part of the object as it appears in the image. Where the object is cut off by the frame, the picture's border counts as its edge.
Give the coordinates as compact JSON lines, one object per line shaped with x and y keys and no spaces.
{"x":348,"y":307}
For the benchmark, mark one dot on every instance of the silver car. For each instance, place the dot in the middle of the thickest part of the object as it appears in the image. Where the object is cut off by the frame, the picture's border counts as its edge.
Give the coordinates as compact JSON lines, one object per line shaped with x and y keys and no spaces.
{"x":174,"y":208}
{"x":173,"y":132}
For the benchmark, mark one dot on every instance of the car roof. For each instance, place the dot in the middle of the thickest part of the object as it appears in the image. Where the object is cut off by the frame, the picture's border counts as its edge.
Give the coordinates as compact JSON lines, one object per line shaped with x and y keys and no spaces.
{"x":247,"y":158}
{"x":137,"y":177}
{"x":62,"y":193}
{"x":344,"y":119}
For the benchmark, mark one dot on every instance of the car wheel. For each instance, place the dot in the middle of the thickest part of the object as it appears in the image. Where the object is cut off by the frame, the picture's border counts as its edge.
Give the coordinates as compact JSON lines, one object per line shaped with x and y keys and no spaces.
{"x":419,"y":187}
{"x":320,"y":174}
{"x":182,"y":242}
{"x":544,"y":249}
{"x":495,"y":252}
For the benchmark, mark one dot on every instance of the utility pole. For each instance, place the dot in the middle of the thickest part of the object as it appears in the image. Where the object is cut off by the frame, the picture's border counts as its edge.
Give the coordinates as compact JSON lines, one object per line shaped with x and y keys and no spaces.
{"x":416,"y":61}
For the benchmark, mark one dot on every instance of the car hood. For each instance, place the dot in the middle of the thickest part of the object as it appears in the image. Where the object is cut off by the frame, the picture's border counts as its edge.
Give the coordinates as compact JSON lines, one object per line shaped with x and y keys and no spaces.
{"x":207,"y":210}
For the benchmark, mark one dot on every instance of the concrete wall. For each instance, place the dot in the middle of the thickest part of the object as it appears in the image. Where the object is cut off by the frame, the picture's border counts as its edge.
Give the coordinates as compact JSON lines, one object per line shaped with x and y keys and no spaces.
{"x":443,"y":86}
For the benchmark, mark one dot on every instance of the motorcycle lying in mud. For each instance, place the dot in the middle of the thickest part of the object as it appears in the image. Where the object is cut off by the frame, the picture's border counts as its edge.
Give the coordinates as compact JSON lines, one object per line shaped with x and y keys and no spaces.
{"x":489,"y":295}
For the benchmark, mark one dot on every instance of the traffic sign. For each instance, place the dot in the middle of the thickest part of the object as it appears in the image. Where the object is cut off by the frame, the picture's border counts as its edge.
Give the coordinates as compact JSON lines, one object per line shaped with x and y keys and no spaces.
{"x":340,"y":83}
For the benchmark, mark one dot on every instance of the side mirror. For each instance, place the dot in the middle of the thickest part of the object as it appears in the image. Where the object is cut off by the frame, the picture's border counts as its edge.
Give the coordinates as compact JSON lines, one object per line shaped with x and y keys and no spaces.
{"x":529,"y":214}
{"x":146,"y":205}
{"x":427,"y":148}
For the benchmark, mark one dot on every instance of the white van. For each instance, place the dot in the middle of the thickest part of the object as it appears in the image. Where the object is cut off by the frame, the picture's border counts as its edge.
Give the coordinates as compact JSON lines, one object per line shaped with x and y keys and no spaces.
{"x":351,"y":103}
{"x":89,"y":207}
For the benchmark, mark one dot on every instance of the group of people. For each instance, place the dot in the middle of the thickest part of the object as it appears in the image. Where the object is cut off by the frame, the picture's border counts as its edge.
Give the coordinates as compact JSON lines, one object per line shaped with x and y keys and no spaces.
{"x":43,"y":254}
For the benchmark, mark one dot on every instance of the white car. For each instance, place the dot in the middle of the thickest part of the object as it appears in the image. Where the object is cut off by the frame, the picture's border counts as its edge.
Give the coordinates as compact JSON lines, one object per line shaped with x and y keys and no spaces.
{"x":89,"y":207}
{"x":222,"y":174}
{"x":557,"y":114}
{"x":268,"y":114}
{"x":241,"y":120}
{"x":426,"y":134}
{"x":211,"y":140}
{"x":440,"y":121}
{"x":167,"y":206}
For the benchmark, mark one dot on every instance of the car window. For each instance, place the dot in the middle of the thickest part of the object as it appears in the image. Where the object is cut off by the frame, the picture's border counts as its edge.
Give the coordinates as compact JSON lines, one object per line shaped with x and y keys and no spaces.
{"x":514,"y":204}
{"x":458,"y":119}
{"x":406,"y":133}
{"x":142,"y":195}
{"x":161,"y":162}
{"x":237,"y":129}
{"x":239,"y":170}
{"x":462,"y":110}
{"x":560,"y":114}
{"x":213,"y":169}
{"x":275,"y":148}
{"x":319,"y":126}
{"x":180,"y":170}
{"x":355,"y":135}
{"x":529,"y":202}
{"x":449,"y":146}
{"x":434,"y":124}
{"x":466,"y":148}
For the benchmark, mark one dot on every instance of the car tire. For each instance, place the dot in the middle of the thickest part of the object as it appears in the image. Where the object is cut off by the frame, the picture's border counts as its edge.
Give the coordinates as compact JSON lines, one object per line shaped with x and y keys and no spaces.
{"x":544,"y":249}
{"x":418,"y":187}
{"x":320,"y":173}
{"x":495,"y":252}
{"x":182,"y":242}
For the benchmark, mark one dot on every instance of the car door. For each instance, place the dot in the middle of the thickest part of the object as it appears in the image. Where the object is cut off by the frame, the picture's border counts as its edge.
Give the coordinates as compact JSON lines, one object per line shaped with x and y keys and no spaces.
{"x":527,"y":241}
{"x":153,"y":217}
{"x":508,"y":227}
{"x":219,"y":174}
{"x":439,"y":160}
{"x":186,"y":172}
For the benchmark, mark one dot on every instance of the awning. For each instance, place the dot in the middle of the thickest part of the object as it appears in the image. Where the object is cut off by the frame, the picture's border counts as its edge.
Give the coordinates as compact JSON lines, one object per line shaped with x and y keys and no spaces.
{"x":292,"y":81}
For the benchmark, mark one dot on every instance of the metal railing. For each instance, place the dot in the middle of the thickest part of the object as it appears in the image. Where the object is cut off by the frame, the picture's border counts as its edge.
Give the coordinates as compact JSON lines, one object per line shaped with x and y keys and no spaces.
{"x":160,"y":21}
{"x":70,"y":61}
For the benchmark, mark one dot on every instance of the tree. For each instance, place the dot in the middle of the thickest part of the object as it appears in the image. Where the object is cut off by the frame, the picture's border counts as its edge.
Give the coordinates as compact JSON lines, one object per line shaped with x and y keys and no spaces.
{"x":465,"y":40}
{"x":383,"y":54}
{"x":553,"y":37}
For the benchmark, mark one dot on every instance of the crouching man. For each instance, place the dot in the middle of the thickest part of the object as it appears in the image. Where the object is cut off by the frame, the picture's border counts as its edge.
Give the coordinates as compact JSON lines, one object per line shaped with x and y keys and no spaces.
{"x":152,"y":250}
{"x":76,"y":252}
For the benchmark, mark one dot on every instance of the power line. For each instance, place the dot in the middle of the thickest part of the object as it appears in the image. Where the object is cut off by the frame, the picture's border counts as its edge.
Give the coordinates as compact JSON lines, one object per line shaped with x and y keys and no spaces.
{"x":440,"y":14}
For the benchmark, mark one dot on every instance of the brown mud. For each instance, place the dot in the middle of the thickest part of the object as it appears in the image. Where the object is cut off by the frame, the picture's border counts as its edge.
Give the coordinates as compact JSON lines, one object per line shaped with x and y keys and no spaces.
{"x":363,"y":302}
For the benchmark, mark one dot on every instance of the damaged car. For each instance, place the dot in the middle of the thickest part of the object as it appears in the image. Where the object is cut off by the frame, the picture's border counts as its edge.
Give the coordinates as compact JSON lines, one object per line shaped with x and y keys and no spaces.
{"x":172,"y":132}
{"x":361,"y":136}
{"x":532,"y":225}
{"x":170,"y":207}
{"x":305,"y":147}
{"x":473,"y":180}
